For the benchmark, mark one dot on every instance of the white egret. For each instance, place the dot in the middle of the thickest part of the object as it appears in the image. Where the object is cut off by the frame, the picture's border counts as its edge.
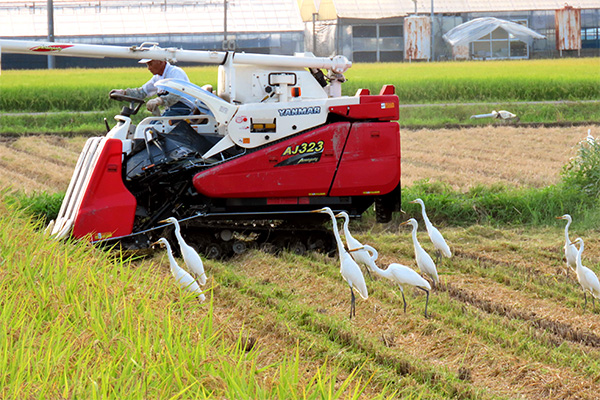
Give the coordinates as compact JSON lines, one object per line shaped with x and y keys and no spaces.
{"x":589,"y":138}
{"x":424,"y":260}
{"x":185,"y":280}
{"x":586,"y":277}
{"x":403,"y":275}
{"x":362,"y":254}
{"x":190,"y":256}
{"x":570,"y":248}
{"x":502,"y":114}
{"x":436,"y":237}
{"x":348,"y":267}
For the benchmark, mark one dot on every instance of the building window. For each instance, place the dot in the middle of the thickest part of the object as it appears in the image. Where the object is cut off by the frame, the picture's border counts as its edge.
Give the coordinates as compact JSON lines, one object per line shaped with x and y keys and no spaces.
{"x":590,"y":38}
{"x":374,"y":43}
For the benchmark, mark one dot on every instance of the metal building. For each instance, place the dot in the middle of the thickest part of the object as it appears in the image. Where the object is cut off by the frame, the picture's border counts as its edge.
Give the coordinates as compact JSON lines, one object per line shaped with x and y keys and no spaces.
{"x":258,"y":26}
{"x":362,"y":30}
{"x":374,"y":30}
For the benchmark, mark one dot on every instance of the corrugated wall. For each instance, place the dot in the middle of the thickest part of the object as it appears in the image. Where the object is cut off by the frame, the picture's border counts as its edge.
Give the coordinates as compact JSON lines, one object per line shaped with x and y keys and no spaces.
{"x":568,"y":28}
{"x":417,"y":38}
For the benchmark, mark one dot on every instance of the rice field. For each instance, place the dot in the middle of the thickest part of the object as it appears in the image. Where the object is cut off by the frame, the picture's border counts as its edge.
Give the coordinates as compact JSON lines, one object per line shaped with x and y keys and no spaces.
{"x":526,"y":80}
{"x":507,"y":321}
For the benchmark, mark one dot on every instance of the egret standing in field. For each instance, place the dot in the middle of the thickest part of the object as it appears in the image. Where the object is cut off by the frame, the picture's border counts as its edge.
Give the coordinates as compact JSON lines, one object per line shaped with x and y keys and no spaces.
{"x":348,"y":267}
{"x":184,"y":279}
{"x":570,"y":248}
{"x":424,"y":260}
{"x":586,"y":277}
{"x":589,"y":138}
{"x":190,"y":256}
{"x":362,"y":254}
{"x":436,"y":237}
{"x":403,"y":275}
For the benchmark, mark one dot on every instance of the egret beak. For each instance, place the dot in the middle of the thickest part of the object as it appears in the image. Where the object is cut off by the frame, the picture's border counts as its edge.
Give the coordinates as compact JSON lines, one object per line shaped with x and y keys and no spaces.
{"x":404,"y":223}
{"x":559,"y":218}
{"x":163,"y":221}
{"x":155,"y":243}
{"x":414,"y":201}
{"x":317,"y":211}
{"x":338,"y":215}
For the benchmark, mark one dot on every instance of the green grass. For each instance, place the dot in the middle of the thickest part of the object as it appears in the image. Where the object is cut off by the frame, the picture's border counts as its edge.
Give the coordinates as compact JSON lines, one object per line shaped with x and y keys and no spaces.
{"x":500,"y":205}
{"x":460,"y":115}
{"x":577,"y":194}
{"x":63,"y":123}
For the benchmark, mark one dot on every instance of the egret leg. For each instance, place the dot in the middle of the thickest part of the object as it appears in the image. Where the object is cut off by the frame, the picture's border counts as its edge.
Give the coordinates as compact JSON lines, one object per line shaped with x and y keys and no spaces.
{"x":438,"y":257}
{"x":426,"y":301}
{"x":352,"y":303}
{"x":585,"y":298}
{"x":403,"y":299}
{"x":368,"y":273}
{"x":433,"y":285}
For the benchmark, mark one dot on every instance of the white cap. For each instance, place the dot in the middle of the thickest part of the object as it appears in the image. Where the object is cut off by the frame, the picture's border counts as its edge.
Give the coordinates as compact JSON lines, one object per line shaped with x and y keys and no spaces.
{"x":145,"y":60}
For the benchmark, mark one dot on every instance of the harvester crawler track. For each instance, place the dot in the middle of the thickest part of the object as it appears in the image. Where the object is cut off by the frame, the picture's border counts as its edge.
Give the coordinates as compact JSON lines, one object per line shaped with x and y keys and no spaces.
{"x":219,"y":236}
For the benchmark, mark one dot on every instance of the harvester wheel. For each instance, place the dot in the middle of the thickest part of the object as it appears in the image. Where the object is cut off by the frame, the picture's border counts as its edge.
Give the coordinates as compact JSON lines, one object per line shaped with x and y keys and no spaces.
{"x":214,"y":251}
{"x":239,"y":247}
{"x":298,"y":248}
{"x":268,"y":248}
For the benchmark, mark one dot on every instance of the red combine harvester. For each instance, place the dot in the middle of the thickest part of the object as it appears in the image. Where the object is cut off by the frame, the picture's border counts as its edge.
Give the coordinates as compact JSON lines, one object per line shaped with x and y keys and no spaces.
{"x":275,"y":141}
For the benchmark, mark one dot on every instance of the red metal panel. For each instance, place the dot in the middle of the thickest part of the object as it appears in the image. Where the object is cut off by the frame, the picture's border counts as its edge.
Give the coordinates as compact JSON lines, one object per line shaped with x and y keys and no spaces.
{"x":107,"y":208}
{"x":298,"y":167}
{"x":371,"y":161}
{"x":384,"y":108}
{"x":568,"y":28}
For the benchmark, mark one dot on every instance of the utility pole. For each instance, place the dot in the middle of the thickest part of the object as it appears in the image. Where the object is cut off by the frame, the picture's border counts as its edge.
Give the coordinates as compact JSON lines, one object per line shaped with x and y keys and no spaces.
{"x":314,"y":46}
{"x":432,"y":34}
{"x":50,"y":31}
{"x":225,"y":43}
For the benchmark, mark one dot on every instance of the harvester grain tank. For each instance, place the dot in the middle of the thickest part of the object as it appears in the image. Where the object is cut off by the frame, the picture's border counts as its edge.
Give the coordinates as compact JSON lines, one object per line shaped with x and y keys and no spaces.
{"x":276,"y":140}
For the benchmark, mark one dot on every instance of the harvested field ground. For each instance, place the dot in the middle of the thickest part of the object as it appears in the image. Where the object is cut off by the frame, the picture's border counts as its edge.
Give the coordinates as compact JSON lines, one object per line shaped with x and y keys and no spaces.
{"x":494,"y":154}
{"x":507,"y":320}
{"x":460,"y":157}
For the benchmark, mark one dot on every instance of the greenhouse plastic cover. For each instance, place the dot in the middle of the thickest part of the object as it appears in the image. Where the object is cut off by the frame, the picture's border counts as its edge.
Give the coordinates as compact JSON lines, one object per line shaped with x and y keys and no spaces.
{"x":479,"y":27}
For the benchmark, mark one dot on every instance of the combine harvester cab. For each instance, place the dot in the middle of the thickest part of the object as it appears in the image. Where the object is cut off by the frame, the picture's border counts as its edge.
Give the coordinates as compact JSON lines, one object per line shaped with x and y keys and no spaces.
{"x":275,"y":141}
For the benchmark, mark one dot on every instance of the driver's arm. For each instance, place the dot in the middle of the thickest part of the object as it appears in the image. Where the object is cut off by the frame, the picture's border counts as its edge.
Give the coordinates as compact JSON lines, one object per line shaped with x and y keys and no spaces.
{"x":169,"y":99}
{"x":138,"y":93}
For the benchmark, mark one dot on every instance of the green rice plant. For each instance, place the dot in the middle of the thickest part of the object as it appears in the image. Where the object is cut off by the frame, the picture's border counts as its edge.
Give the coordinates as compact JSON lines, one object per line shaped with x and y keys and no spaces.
{"x":499,"y":205}
{"x":583,"y":171}
{"x":440,"y":82}
{"x":76,"y":89}
{"x":524,"y":80}
{"x":43,"y":206}
{"x":77,"y":322}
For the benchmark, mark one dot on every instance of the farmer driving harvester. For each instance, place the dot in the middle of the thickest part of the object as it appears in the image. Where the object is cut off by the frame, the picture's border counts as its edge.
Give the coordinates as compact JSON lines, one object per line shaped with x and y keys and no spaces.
{"x":175,"y":105}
